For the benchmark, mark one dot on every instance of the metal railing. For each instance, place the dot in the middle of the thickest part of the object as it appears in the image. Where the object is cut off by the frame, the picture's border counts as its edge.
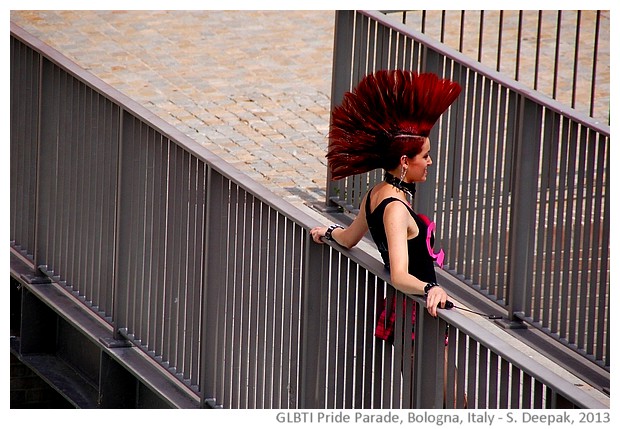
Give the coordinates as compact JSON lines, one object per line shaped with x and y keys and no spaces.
{"x":519,"y":186}
{"x":217,"y":279}
{"x":564,"y":54}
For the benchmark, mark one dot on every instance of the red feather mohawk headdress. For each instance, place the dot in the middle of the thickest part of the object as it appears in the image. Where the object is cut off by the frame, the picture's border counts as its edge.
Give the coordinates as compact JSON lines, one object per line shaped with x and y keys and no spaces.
{"x":388,"y":112}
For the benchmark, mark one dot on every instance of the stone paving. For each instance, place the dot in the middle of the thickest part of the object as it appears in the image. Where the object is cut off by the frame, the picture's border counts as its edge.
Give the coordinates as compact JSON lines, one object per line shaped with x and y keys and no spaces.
{"x":251,"y":86}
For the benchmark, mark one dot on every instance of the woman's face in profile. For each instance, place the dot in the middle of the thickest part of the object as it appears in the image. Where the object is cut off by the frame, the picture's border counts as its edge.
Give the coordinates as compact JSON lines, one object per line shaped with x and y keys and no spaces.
{"x":418,"y":165}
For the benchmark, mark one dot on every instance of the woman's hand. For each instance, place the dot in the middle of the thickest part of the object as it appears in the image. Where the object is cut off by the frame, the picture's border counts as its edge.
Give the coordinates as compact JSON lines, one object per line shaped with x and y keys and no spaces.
{"x":317,"y":233}
{"x":436,"y":297}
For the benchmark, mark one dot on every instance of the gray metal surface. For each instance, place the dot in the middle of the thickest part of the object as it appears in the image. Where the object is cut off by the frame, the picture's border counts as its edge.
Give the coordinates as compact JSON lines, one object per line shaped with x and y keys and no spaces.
{"x":519,"y":187}
{"x":216,"y":278}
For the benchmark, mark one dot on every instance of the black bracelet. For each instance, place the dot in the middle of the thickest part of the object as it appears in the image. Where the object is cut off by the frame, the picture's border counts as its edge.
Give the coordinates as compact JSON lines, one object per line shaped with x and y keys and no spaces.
{"x":330,"y":230}
{"x":428,"y":287}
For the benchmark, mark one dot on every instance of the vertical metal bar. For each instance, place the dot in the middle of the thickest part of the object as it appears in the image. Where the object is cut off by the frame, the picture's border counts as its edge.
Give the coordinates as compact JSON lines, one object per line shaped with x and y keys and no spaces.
{"x":526,"y":392}
{"x":228,"y":387}
{"x":195,"y":249}
{"x":538,"y":394}
{"x":429,"y":360}
{"x":159,"y":238}
{"x":313,"y":356}
{"x":279,"y":308}
{"x":331,"y":286}
{"x":480,"y":38}
{"x":287,"y":269}
{"x":451,"y":369}
{"x":494,"y":182}
{"x":498,"y":63}
{"x":515,"y":387}
{"x":556,"y":62}
{"x":504,"y":384}
{"x":477,"y":172}
{"x":538,"y":44}
{"x":95,"y":194}
{"x":461,"y":368}
{"x":120,"y":248}
{"x":576,"y":60}
{"x":300,"y":238}
{"x":389,"y":367}
{"x":17,"y":103}
{"x":510,"y":113}
{"x":214,"y":237}
{"x":523,"y":203}
{"x":364,"y":50}
{"x":398,"y":351}
{"x":483,"y":366}
{"x":472,"y":366}
{"x":442,"y":35}
{"x":184,"y":267}
{"x":47,"y":131}
{"x":408,"y":388}
{"x":391,"y":44}
{"x":341,"y":80}
{"x":150,"y":234}
{"x":254,"y":332}
{"x":269,"y":309}
{"x":109,"y":231}
{"x":462,"y":31}
{"x":587,"y":168}
{"x":603,"y":305}
{"x":242,"y":288}
{"x":139,"y":184}
{"x":493,"y":380}
{"x":518,"y":53}
{"x":263,"y":310}
{"x":553,"y":146}
{"x":594,"y":61}
{"x":486,"y":181}
{"x":361,"y":304}
{"x":64,"y":143}
{"x":101,"y":196}
{"x":348,"y":278}
{"x":378,"y":360}
{"x":82,"y":169}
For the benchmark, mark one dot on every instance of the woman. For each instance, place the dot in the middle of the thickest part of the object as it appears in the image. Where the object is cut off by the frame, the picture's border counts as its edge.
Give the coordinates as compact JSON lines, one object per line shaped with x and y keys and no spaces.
{"x":385,"y":123}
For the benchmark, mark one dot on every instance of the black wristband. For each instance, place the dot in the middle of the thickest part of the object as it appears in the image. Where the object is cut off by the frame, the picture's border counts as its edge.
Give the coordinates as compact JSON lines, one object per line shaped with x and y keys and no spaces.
{"x":330,"y":230}
{"x":428,"y":287}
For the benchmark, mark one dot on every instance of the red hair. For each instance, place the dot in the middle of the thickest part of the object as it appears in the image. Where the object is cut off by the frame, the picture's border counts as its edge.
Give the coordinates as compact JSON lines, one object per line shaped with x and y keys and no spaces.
{"x":389,"y":114}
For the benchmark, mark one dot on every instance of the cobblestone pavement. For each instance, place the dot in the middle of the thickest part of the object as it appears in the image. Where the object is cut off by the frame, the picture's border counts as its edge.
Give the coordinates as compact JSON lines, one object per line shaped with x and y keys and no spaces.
{"x":251,"y":86}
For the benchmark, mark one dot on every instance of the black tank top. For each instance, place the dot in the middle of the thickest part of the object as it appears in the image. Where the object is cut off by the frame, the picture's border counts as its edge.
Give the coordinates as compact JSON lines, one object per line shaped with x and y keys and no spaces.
{"x":421,"y":264}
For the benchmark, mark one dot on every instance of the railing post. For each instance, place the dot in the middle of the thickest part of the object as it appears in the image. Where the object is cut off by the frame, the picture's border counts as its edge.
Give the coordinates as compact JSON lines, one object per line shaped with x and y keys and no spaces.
{"x":341,"y":78}
{"x":523,"y":206}
{"x":214,"y":233}
{"x":429,"y":360}
{"x":47,"y":131}
{"x":313,"y":327}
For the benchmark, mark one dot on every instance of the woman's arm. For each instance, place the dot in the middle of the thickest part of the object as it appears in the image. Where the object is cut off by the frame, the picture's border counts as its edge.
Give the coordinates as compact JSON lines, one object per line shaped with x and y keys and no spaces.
{"x":346,"y":237}
{"x":399,"y":225}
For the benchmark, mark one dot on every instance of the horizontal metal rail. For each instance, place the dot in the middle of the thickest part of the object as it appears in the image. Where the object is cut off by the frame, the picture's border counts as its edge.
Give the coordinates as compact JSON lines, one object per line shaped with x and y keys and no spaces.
{"x":563,"y":54}
{"x":519,"y":186}
{"x":213,"y":276}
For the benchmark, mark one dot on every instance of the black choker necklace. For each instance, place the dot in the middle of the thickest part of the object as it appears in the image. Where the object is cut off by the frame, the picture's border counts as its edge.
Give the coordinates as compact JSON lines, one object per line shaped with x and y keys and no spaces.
{"x":408,"y":188}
